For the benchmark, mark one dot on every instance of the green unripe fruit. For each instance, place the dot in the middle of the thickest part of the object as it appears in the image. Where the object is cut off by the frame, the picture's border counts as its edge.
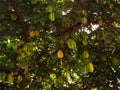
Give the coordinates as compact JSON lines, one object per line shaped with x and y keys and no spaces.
{"x":85,"y":54}
{"x":71,"y":43}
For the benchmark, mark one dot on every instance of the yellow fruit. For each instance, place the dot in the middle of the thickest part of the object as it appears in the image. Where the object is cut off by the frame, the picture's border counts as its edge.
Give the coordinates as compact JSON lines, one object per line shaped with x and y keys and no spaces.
{"x":85,"y":54}
{"x":10,"y":78}
{"x":32,"y":34}
{"x":19,"y":79}
{"x":84,"y":20}
{"x":60,"y":54}
{"x":71,"y":43}
{"x":90,"y":67}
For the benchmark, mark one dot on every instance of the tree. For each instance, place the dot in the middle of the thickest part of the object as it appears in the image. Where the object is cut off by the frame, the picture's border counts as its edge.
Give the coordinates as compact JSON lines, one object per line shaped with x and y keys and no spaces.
{"x":59,"y":44}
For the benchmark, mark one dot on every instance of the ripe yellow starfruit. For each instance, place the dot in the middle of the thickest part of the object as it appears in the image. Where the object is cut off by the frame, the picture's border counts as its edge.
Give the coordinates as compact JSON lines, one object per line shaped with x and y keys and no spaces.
{"x":32,"y":34}
{"x":19,"y":79}
{"x":90,"y":67}
{"x":10,"y":78}
{"x":60,"y":54}
{"x":84,"y":20}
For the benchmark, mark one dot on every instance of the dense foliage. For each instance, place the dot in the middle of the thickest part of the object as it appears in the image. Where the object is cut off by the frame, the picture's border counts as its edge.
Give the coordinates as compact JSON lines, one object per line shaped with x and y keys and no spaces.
{"x":60,"y":44}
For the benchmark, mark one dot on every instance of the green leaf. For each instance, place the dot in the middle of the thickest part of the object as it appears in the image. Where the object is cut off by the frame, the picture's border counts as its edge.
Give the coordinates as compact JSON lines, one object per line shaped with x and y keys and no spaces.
{"x":49,"y":8}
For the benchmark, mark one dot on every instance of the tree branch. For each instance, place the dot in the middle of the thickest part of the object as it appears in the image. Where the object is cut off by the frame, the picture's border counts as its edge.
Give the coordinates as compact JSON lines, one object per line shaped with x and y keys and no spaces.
{"x":7,"y":69}
{"x":48,"y":71}
{"x":63,"y":31}
{"x":112,"y":26}
{"x":37,"y":73}
{"x":20,"y":19}
{"x":75,"y":26}
{"x":41,"y":66}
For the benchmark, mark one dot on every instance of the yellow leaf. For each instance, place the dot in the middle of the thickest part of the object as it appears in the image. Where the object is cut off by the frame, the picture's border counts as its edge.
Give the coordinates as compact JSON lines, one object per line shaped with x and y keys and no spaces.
{"x":60,"y":54}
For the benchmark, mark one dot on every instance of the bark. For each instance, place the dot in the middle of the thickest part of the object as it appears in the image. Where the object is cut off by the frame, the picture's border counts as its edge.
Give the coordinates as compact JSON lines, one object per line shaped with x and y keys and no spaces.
{"x":20,"y":19}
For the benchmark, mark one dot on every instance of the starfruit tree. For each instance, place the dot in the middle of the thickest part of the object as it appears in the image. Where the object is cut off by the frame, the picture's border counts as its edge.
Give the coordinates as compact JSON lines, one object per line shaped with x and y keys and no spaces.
{"x":59,"y":44}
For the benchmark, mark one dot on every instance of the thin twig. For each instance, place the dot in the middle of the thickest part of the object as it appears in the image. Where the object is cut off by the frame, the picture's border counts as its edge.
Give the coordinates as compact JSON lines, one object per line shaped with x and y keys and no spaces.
{"x":7,"y":69}
{"x":117,"y":29}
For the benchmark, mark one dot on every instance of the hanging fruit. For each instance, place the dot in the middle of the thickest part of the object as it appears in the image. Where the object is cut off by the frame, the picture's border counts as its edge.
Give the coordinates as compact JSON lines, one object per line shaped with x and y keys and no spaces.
{"x":71,"y":43}
{"x":90,"y":67}
{"x":32,"y":34}
{"x":10,"y":78}
{"x":85,"y":54}
{"x":52,"y":16}
{"x":19,"y":79}
{"x":60,"y":54}
{"x":84,"y":20}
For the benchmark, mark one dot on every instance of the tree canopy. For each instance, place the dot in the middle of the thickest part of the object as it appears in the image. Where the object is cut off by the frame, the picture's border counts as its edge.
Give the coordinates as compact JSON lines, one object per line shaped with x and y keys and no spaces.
{"x":60,"y":44}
